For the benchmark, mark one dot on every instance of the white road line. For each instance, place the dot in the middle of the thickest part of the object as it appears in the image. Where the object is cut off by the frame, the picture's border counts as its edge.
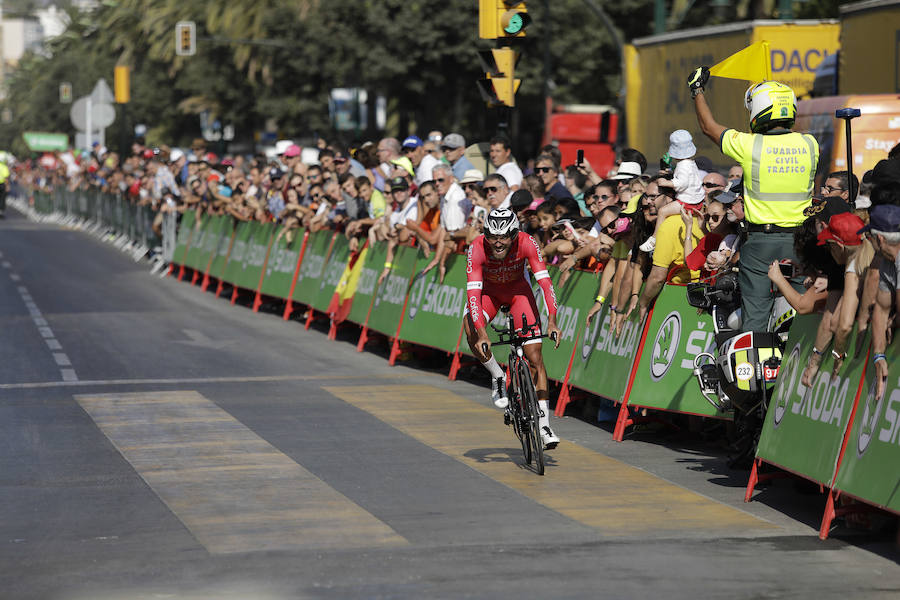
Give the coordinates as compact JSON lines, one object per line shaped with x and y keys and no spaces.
{"x":202,"y":380}
{"x":61,"y":358}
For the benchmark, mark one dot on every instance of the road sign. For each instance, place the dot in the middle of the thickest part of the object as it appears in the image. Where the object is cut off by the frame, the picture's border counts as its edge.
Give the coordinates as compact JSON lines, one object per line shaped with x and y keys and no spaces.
{"x":102,"y":115}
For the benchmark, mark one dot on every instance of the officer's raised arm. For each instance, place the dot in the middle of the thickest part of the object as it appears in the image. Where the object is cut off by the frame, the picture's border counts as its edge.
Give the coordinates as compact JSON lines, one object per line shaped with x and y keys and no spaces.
{"x":708,"y":125}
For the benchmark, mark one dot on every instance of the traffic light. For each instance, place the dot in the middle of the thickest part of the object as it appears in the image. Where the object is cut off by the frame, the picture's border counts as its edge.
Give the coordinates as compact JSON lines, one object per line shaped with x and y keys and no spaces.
{"x":499,"y":86}
{"x":185,"y":38}
{"x":498,"y":19}
{"x":121,"y":84}
{"x":65,"y":92}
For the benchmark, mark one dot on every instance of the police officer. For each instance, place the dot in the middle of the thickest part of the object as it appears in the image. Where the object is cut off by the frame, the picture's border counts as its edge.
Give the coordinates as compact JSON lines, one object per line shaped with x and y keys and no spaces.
{"x":779,"y":176}
{"x":4,"y":176}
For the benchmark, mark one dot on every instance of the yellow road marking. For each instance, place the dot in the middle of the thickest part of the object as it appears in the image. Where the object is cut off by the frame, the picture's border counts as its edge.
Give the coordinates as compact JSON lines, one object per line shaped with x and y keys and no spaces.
{"x":233,"y":490}
{"x":601,"y":492}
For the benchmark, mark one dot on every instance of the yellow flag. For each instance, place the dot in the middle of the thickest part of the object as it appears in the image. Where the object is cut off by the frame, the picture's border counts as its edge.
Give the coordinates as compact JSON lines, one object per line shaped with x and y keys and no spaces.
{"x":752,"y":64}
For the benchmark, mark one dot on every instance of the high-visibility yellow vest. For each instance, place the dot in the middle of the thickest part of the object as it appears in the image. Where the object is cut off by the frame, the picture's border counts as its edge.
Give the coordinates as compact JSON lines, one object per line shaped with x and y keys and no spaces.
{"x":4,"y":172}
{"x":779,"y":174}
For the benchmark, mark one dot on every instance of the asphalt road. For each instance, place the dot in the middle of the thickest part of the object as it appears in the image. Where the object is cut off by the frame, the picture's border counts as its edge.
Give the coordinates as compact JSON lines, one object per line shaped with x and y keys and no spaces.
{"x":157,"y":442}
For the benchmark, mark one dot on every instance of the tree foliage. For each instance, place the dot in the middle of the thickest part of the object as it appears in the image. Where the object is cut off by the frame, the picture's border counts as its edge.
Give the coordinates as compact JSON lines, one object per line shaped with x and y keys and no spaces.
{"x":275,"y":61}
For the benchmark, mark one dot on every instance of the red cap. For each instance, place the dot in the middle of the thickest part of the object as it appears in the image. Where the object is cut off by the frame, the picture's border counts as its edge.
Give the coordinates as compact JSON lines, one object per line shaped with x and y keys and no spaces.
{"x":148,"y":154}
{"x":843,"y":228}
{"x":211,"y":158}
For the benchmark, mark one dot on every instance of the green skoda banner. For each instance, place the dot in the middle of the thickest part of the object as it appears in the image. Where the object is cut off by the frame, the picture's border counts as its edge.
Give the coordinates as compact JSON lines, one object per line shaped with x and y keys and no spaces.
{"x":185,"y":229}
{"x":204,"y":247}
{"x":573,"y":300}
{"x":194,"y":255}
{"x":804,"y":426}
{"x":368,"y":281}
{"x":603,"y":361}
{"x":255,"y":255}
{"x":331,"y":274}
{"x":664,"y":378}
{"x":434,"y":310}
{"x":282,"y":263}
{"x":869,"y":469}
{"x":317,"y":247}
{"x":392,"y":294}
{"x":235,"y":265}
{"x":223,"y":248}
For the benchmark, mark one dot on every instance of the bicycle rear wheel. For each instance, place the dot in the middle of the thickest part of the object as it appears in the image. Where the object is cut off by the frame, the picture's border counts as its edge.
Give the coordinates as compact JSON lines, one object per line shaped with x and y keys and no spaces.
{"x":532,"y":415}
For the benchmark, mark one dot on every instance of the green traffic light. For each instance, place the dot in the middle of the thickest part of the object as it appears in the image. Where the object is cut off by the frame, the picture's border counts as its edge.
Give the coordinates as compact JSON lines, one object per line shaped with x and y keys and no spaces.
{"x":515,"y":25}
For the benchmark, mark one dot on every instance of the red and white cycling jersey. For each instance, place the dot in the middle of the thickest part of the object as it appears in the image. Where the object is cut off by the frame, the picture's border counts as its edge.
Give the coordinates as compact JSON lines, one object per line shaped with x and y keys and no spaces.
{"x":492,"y":283}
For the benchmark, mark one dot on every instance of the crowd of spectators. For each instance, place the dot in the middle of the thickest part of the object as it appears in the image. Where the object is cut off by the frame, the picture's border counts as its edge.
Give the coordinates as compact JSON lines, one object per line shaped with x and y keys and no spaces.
{"x":639,"y":230}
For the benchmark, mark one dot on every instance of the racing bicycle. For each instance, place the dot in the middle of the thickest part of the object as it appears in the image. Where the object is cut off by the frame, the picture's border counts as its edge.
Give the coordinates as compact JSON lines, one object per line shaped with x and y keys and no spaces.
{"x":523,"y":412}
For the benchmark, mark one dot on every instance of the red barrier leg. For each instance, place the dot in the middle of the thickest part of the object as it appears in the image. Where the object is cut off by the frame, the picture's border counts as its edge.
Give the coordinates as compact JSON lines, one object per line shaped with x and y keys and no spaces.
{"x":234,"y":294}
{"x":395,"y":351}
{"x":205,"y":283}
{"x":754,"y":479}
{"x":622,"y":421}
{"x":332,"y":330}
{"x":363,"y":338}
{"x":170,"y":270}
{"x":288,"y":309}
{"x":219,"y":288}
{"x":829,"y":515}
{"x":309,"y":318}
{"x":195,"y":277}
{"x":564,"y":397}
{"x":454,"y":364}
{"x":257,"y":302}
{"x":181,"y":273}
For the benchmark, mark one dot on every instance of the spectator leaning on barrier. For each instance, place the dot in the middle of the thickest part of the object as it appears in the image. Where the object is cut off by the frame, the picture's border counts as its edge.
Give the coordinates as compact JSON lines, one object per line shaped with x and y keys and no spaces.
{"x":501,"y":158}
{"x":782,"y":167}
{"x":883,"y":231}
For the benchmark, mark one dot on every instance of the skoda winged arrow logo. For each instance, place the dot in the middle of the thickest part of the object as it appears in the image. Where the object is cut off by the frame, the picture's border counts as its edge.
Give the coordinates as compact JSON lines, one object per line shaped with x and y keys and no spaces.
{"x":871,"y":412}
{"x":665,"y":346}
{"x":417,"y":294}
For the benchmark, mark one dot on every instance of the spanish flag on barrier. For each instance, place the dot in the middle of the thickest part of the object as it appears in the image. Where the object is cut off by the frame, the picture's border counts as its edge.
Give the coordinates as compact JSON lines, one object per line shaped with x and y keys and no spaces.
{"x":753,"y":63}
{"x":342,"y":300}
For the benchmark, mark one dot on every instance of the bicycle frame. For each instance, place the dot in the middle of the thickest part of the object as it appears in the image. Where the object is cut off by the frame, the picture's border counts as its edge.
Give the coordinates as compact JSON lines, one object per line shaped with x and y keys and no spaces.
{"x":523,"y":413}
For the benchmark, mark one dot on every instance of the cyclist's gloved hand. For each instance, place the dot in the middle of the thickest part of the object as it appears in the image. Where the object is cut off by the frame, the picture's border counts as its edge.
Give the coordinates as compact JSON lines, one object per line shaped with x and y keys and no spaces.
{"x":697,"y":80}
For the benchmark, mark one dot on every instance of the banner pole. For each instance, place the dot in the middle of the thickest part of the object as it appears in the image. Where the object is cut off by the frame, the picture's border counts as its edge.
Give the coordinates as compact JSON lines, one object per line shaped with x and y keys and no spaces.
{"x":623,"y":421}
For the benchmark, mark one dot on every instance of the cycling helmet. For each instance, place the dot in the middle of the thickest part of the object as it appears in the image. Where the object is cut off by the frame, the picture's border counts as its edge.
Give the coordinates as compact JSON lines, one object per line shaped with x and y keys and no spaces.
{"x":501,"y":221}
{"x":771,"y":104}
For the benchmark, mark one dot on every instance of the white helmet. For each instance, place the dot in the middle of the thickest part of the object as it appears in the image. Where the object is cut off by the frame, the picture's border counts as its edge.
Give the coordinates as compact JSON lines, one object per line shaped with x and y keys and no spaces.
{"x":501,"y":221}
{"x":771,"y":104}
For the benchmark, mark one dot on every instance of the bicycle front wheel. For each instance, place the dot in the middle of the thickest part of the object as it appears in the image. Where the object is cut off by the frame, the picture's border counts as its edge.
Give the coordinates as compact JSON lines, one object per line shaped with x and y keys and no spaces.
{"x":532,"y":415}
{"x":519,"y":413}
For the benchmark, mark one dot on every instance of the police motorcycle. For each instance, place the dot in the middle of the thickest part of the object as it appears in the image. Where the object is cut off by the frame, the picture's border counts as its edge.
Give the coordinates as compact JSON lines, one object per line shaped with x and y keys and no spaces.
{"x":741,"y":372}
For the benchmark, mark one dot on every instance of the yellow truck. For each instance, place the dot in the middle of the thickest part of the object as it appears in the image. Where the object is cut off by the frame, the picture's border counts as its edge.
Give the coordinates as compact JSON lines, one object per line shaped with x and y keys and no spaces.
{"x":658,"y":100}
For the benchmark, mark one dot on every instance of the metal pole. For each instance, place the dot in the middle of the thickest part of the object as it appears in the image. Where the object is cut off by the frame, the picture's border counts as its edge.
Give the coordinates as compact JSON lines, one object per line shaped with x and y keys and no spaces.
{"x":848,"y":114}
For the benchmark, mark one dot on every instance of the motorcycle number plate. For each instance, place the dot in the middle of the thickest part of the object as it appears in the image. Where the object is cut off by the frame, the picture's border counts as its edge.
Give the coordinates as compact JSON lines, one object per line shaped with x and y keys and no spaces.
{"x":770,"y":374}
{"x":744,"y":371}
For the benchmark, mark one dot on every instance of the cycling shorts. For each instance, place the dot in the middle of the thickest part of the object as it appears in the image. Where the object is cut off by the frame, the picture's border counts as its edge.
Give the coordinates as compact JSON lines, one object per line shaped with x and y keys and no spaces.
{"x":519,"y":297}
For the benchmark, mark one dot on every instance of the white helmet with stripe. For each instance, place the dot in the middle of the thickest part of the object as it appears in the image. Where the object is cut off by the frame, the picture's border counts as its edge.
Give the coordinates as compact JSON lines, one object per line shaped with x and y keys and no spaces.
{"x":771,"y":104}
{"x":501,"y":221}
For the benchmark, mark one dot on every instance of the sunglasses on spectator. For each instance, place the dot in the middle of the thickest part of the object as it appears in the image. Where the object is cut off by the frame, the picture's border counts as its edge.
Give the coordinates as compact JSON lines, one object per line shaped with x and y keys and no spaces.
{"x":651,"y":196}
{"x":543,"y":169}
{"x":441,"y":179}
{"x":714,"y":217}
{"x":709,"y":185}
{"x":828,"y":189}
{"x":447,"y":149}
{"x":491,"y":189}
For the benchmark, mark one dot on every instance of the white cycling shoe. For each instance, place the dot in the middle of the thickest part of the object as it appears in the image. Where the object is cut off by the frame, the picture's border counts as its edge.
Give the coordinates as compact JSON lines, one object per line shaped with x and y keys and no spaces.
{"x":498,"y":392}
{"x":550,"y":439}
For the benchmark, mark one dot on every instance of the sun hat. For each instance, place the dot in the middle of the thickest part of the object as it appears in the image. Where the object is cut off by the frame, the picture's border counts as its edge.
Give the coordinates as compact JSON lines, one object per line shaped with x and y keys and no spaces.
{"x":681,"y":144}
{"x":627,"y":170}
{"x":471,"y":175}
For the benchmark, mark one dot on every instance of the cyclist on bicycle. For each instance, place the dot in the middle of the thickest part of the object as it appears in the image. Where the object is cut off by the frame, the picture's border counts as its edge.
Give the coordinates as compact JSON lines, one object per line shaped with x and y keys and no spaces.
{"x":497,"y":277}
